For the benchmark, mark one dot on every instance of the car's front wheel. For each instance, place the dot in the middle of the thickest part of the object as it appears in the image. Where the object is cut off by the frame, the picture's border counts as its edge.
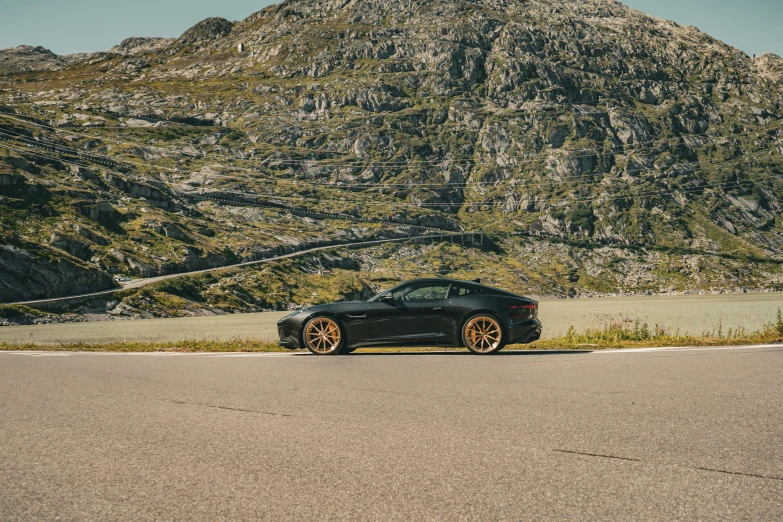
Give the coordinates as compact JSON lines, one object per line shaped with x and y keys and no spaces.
{"x":323,"y":336}
{"x":482,"y":334}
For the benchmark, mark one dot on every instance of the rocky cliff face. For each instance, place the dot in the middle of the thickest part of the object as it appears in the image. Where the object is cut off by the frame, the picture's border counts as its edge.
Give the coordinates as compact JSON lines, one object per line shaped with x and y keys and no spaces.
{"x":29,"y":271}
{"x":553,"y":120}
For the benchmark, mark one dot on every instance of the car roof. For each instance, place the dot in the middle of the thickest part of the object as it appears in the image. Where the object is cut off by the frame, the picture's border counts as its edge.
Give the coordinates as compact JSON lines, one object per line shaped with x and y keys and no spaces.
{"x":454,"y":281}
{"x":460,"y":282}
{"x":440,"y":280}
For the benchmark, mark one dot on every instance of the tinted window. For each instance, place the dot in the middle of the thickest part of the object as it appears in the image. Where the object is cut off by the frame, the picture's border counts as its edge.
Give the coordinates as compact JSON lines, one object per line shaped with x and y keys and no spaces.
{"x":421,"y":293}
{"x":459,"y":291}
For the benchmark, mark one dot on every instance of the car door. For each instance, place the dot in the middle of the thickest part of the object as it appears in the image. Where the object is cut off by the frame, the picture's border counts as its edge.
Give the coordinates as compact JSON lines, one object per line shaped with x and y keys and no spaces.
{"x":418,"y":312}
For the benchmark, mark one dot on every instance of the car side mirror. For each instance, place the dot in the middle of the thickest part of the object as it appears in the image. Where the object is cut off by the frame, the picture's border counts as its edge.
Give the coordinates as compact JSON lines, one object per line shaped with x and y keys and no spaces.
{"x":388,"y":298}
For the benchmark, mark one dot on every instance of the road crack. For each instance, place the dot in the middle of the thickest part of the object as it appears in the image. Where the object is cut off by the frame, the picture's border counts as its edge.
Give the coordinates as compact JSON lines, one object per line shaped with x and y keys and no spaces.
{"x":713,"y":470}
{"x":768,"y":477}
{"x":229,"y":408}
{"x":596,"y":455}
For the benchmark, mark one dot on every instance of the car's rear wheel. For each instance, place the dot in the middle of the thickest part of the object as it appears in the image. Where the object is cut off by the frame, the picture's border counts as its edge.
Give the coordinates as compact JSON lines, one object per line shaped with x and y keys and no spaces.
{"x":323,"y":336}
{"x":482,"y":334}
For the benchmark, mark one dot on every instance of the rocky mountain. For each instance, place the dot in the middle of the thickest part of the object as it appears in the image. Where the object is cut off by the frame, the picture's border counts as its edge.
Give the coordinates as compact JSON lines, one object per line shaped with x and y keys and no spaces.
{"x":770,"y":67}
{"x":601,"y":150}
{"x":26,"y":58}
{"x":139,"y":45}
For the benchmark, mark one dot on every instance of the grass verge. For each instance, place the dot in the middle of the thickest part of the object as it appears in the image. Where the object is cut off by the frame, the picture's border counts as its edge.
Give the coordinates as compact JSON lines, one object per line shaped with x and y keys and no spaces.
{"x":625,"y":333}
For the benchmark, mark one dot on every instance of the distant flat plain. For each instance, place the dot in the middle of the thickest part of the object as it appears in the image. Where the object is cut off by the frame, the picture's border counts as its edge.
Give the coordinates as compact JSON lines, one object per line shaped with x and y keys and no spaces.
{"x":690,"y":314}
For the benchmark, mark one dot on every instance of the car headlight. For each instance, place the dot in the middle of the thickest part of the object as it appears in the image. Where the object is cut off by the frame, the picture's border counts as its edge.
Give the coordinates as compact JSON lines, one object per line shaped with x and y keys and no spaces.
{"x":289,"y":316}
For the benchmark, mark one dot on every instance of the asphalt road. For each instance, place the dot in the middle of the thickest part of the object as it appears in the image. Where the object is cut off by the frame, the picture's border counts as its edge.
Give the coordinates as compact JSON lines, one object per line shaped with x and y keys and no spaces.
{"x":689,"y":314}
{"x":636,"y":435}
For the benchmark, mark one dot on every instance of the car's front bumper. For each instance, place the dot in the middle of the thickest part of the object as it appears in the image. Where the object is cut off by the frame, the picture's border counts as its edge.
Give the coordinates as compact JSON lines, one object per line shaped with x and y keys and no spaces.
{"x":288,"y":332}
{"x":525,"y":332}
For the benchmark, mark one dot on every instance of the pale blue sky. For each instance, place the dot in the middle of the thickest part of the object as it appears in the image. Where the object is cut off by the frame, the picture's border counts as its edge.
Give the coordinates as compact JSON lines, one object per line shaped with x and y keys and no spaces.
{"x":70,"y":26}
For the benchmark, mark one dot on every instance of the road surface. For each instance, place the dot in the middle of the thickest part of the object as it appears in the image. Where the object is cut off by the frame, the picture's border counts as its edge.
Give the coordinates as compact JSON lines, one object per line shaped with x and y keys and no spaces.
{"x":634,"y":435}
{"x":691,"y":314}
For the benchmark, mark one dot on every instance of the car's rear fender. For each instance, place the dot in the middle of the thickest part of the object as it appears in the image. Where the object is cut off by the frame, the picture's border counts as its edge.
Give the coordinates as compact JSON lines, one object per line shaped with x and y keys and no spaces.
{"x":483,"y":311}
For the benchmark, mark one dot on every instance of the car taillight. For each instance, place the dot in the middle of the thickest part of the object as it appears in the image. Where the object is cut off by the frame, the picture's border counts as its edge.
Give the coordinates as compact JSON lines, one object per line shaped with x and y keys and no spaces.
{"x":523,"y":312}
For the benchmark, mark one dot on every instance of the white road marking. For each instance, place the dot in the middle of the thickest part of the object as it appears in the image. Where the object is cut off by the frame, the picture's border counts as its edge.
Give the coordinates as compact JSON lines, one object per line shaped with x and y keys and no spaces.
{"x":260,"y":354}
{"x":586,"y":351}
{"x":688,"y":349}
{"x":39,"y":354}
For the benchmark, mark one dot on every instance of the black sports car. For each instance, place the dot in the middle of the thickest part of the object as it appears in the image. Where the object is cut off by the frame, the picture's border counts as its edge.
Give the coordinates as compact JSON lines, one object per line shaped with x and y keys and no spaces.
{"x":424,"y":312}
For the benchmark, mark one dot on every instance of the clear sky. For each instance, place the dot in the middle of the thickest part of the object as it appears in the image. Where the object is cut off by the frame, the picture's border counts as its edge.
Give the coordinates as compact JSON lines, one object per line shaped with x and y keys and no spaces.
{"x":71,"y":26}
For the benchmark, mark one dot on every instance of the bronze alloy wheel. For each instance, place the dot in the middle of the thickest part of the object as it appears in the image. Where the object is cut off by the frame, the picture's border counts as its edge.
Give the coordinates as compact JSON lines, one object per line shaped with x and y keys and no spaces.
{"x":323,"y":336}
{"x":482,"y":334}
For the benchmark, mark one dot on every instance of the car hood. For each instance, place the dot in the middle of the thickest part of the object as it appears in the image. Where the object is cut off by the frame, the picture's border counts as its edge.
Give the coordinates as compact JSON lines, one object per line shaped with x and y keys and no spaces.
{"x":335,"y":306}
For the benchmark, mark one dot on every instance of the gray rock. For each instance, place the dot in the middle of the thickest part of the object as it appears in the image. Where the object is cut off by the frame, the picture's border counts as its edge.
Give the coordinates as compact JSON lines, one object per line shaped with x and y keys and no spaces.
{"x":29,"y":272}
{"x":8,"y":179}
{"x":770,"y":67}
{"x":206,"y":31}
{"x":139,"y":45}
{"x":91,"y":235}
{"x":27,"y":58}
{"x":71,"y":245}
{"x":97,"y":210}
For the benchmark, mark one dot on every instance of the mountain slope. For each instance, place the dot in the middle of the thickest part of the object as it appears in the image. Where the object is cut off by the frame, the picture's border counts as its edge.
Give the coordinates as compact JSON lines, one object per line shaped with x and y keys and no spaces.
{"x":572,"y":132}
{"x":26,"y":58}
{"x":138,"y":45}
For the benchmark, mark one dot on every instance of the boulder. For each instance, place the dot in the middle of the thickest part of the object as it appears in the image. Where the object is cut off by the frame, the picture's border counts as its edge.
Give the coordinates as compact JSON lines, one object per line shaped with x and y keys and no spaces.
{"x":96,"y":210}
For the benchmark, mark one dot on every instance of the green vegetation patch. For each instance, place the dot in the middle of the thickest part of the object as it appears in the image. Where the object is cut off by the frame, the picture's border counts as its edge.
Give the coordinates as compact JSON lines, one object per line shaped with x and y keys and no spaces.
{"x":16,"y":311}
{"x":635,"y":334}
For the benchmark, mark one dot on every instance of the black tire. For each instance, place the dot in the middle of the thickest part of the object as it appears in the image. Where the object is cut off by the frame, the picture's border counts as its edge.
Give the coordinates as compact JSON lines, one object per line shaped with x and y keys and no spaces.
{"x":483,"y":334}
{"x":324,"y":335}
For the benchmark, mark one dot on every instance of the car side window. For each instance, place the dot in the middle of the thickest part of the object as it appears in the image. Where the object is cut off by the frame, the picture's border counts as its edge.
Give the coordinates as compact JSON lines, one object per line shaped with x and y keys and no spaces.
{"x":459,"y":291}
{"x":422,"y":293}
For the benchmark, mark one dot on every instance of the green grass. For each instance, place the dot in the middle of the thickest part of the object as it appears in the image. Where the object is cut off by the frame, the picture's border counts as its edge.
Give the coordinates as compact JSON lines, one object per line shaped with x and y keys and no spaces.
{"x":14,"y":311}
{"x":624,"y":334}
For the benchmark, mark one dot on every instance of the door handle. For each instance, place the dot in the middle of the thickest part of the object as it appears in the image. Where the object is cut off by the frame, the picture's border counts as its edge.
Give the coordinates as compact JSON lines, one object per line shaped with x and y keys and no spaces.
{"x":362,"y":316}
{"x":437,"y":309}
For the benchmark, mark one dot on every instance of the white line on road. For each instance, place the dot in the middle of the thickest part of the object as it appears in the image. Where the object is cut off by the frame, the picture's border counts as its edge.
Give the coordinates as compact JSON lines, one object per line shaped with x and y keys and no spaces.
{"x":392,"y":353}
{"x":40,"y":354}
{"x":688,"y":349}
